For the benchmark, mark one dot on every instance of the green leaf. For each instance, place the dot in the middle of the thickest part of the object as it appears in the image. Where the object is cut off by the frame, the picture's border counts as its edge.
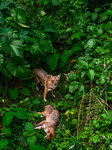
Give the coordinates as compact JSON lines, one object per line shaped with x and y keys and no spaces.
{"x":7,"y":131}
{"x":29,"y":126}
{"x":13,"y":93}
{"x":7,"y":118}
{"x":36,"y":102}
{"x":21,"y":113}
{"x":91,"y":74}
{"x":12,"y":45}
{"x":94,"y":16}
{"x":81,"y":87}
{"x":48,"y":27}
{"x":87,"y":14}
{"x":55,"y":2}
{"x":26,"y":91}
{"x":68,"y":96}
{"x":19,"y":68}
{"x":29,"y":133}
{"x":97,"y":9}
{"x":83,"y":64}
{"x":3,"y":143}
{"x":102,"y":78}
{"x":73,"y":86}
{"x":72,"y":76}
{"x":52,"y":60}
{"x":76,"y":47}
{"x":20,"y":148}
{"x":109,"y":115}
{"x":37,"y":147}
{"x":4,"y":70}
{"x":31,"y":140}
{"x":1,"y":59}
{"x":18,"y":15}
{"x":90,"y":43}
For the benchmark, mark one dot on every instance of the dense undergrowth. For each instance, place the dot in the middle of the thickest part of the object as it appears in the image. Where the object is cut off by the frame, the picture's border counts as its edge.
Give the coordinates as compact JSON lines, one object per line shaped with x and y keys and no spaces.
{"x":73,"y":38}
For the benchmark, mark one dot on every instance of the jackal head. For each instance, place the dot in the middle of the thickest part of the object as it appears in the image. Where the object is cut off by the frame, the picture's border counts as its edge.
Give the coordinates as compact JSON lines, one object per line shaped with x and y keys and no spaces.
{"x":55,"y":80}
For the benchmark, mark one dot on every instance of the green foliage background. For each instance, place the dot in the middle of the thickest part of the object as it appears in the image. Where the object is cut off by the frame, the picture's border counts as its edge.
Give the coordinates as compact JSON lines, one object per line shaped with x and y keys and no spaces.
{"x":60,"y":36}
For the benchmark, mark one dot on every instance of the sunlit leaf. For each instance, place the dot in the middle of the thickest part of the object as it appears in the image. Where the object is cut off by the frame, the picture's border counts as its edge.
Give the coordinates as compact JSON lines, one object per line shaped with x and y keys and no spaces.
{"x":19,"y":68}
{"x":90,"y":43}
{"x":91,"y":74}
{"x":7,"y":118}
{"x":21,"y":113}
{"x":3,"y":143}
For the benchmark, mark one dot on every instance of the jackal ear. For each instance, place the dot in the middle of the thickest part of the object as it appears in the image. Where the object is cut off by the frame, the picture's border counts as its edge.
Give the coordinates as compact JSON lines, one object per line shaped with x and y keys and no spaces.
{"x":50,"y":76}
{"x":59,"y":75}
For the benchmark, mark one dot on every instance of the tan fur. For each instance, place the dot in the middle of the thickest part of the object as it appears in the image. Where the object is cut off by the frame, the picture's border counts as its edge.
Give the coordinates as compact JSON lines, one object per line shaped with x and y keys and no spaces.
{"x":50,"y":82}
{"x":49,"y":125}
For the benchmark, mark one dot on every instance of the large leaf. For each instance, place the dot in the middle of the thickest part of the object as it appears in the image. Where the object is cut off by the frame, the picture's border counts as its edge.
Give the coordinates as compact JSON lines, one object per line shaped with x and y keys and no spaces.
{"x":90,"y":43}
{"x":76,"y":47}
{"x":87,"y":14}
{"x":83,"y":64}
{"x":18,"y":15}
{"x":7,"y":131}
{"x":26,"y":91}
{"x":48,"y":27}
{"x":21,"y":113}
{"x":13,"y":93}
{"x":102,"y":78}
{"x":73,"y":86}
{"x":31,"y":140}
{"x":94,"y":16}
{"x":4,"y":70}
{"x":52,"y":59}
{"x":37,"y":147}
{"x":3,"y":143}
{"x":29,"y":126}
{"x":55,"y":2}
{"x":7,"y":118}
{"x":19,"y":68}
{"x":12,"y":45}
{"x":91,"y":74}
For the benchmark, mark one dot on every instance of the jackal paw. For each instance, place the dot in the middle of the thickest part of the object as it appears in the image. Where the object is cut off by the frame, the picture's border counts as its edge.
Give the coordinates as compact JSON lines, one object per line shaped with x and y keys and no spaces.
{"x":37,"y":88}
{"x":53,"y":95}
{"x":45,"y":100}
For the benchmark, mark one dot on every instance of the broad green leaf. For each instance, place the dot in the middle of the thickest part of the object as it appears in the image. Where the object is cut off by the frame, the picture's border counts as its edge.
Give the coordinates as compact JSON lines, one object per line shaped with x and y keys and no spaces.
{"x":103,"y":17}
{"x":76,"y":47}
{"x":31,"y":140}
{"x":29,"y":133}
{"x":4,"y":70}
{"x":97,"y":9}
{"x":83,"y":64}
{"x":109,"y":115}
{"x":7,"y":131}
{"x":26,"y":91}
{"x":12,"y":45}
{"x":19,"y":68}
{"x":81,"y":87}
{"x":87,"y":14}
{"x":48,"y":27}
{"x":29,"y":126}
{"x":13,"y":93}
{"x":55,"y":2}
{"x":90,"y":43}
{"x":108,"y":12}
{"x":52,"y":60}
{"x":36,"y":102}
{"x":91,"y":74}
{"x":18,"y":15}
{"x":1,"y":59}
{"x":73,"y":86}
{"x":7,"y":118}
{"x":68,"y":96}
{"x":20,"y":148}
{"x":94,"y":16}
{"x":21,"y":113}
{"x":3,"y":143}
{"x":102,"y":78}
{"x":37,"y":147}
{"x":72,"y":76}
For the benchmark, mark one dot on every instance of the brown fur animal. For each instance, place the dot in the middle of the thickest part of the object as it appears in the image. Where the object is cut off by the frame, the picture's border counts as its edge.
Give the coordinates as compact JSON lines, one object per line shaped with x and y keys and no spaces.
{"x":50,"y":82}
{"x":49,"y":125}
